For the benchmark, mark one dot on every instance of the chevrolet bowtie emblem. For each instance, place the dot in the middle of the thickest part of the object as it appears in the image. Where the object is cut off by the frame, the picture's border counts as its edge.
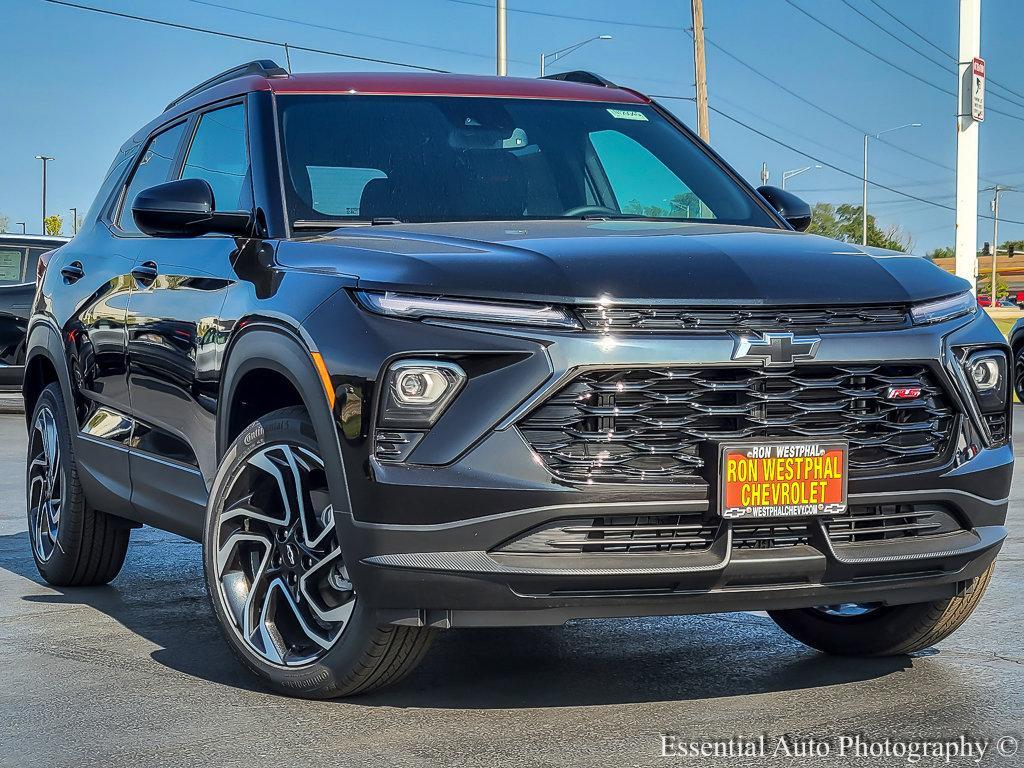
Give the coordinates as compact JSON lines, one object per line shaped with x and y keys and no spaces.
{"x":775,"y":348}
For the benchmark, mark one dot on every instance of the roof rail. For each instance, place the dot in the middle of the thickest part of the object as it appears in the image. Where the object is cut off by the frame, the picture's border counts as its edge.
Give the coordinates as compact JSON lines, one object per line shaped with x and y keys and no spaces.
{"x":263,"y":67}
{"x":581,"y":76}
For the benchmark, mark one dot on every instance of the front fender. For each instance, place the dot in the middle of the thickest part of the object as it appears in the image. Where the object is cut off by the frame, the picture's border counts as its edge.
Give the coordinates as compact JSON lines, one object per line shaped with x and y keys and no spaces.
{"x":268,"y":345}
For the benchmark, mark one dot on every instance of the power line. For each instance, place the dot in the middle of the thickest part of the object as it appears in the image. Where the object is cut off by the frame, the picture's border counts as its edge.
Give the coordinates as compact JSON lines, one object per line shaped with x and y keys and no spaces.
{"x":891,"y":63}
{"x":547,"y":14}
{"x":939,"y":48}
{"x":799,"y":97}
{"x":913,"y":31}
{"x":340,"y":30}
{"x":944,"y":67}
{"x":244,"y":38}
{"x":826,"y":163}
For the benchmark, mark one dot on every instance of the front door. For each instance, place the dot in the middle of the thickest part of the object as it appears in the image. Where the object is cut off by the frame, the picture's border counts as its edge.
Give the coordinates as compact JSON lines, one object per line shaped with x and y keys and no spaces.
{"x":175,"y":338}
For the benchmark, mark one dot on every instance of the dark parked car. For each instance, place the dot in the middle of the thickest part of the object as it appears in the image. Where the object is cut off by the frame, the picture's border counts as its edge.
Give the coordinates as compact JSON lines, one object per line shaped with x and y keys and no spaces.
{"x":412,"y":352}
{"x":19,"y":257}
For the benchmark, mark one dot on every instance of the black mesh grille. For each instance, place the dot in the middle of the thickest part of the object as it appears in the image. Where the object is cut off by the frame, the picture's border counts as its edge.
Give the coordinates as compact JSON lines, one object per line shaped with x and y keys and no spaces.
{"x":647,"y":426}
{"x":616,"y":534}
{"x":762,"y":535}
{"x":882,"y":522}
{"x":822,"y":319}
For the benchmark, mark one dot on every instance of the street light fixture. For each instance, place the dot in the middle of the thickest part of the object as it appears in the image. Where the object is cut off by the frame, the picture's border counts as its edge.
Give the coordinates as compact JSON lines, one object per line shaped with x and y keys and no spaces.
{"x":864,"y":206}
{"x":45,"y":160}
{"x":561,"y":53}
{"x":787,"y":175}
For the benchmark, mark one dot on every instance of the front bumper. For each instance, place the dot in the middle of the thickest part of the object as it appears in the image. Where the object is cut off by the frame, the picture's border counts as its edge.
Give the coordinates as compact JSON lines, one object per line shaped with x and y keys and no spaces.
{"x":449,"y":574}
{"x":422,"y":537}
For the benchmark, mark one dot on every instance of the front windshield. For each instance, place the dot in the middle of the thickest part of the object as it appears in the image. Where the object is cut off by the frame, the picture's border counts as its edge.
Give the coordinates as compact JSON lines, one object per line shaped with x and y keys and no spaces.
{"x":441,"y":158}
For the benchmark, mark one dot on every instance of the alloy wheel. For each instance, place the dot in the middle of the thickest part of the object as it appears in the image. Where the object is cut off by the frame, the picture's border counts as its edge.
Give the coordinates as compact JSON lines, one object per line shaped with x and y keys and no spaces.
{"x":46,"y":485}
{"x":277,"y":559}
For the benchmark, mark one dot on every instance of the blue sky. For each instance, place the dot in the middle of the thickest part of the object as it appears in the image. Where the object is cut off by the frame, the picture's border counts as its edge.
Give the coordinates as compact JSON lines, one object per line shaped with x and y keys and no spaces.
{"x":79,"y":83}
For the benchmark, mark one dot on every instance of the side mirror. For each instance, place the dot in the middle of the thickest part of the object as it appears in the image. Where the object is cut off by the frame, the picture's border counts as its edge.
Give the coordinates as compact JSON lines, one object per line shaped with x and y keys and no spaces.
{"x":186,"y":208}
{"x":790,"y":207}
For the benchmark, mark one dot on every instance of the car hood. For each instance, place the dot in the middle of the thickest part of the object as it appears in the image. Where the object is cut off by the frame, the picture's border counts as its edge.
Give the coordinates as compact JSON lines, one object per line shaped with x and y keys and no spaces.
{"x":624,"y":261}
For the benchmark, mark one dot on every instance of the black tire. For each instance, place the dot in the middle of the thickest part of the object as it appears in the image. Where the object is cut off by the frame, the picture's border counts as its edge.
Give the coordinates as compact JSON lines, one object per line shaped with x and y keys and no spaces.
{"x":89,"y":546}
{"x":887,"y":630}
{"x":365,"y":656}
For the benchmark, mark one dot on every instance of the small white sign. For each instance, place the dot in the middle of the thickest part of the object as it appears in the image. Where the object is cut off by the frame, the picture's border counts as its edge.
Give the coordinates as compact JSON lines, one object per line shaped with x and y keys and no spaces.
{"x":978,"y":90}
{"x":627,"y":114}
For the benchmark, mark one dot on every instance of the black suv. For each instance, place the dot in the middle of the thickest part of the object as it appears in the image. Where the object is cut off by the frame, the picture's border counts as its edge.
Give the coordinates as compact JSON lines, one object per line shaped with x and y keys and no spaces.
{"x":411,"y":352}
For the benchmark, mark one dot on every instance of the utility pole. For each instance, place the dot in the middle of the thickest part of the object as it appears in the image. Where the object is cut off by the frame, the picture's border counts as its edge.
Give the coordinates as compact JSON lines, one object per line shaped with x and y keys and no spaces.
{"x":502,"y":50}
{"x":700,"y":71}
{"x":995,"y":242}
{"x":967,"y":146}
{"x":74,"y":221}
{"x":764,"y":174}
{"x":45,"y":160}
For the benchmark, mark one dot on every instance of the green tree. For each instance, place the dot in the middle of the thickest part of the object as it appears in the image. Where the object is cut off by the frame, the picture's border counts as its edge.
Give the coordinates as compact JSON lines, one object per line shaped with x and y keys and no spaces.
{"x":945,"y":252}
{"x":985,"y":283}
{"x":53,"y":224}
{"x":844,"y":222}
{"x":1018,"y":247}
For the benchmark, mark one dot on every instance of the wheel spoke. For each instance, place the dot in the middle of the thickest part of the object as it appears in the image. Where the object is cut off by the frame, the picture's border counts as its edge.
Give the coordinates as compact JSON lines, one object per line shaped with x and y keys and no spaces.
{"x":246,"y":510}
{"x":340,"y":614}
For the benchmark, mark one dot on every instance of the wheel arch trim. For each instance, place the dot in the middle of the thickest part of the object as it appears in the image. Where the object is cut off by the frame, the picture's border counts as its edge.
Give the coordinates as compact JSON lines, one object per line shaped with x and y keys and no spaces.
{"x":265,"y":344}
{"x":45,"y":341}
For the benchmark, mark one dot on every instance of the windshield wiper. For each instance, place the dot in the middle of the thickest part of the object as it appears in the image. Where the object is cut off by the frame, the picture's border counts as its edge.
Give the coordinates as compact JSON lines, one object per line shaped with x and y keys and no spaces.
{"x":328,"y":224}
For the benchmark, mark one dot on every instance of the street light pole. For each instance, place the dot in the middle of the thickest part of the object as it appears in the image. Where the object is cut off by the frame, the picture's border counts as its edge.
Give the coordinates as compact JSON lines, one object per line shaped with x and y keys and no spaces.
{"x":22,"y":226}
{"x":45,"y":160}
{"x":561,"y":53}
{"x":864,"y":202}
{"x":787,"y":175}
{"x":74,"y":221}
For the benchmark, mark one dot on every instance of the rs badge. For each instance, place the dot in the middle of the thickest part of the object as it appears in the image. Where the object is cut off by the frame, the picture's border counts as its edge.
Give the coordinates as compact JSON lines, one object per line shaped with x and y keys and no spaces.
{"x":903,"y":393}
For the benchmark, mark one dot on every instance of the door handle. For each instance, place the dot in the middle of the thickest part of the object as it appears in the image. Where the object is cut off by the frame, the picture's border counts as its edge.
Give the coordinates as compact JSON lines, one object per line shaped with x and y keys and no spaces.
{"x":146,"y":272}
{"x":73,"y":272}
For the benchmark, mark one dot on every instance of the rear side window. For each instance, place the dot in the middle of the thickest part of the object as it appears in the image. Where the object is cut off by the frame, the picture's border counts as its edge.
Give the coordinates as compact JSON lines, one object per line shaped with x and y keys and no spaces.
{"x":218,"y":154}
{"x":153,"y":169}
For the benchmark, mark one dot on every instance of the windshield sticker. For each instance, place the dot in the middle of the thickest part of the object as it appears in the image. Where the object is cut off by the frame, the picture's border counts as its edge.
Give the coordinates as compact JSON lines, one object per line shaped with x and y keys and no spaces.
{"x":628,"y":114}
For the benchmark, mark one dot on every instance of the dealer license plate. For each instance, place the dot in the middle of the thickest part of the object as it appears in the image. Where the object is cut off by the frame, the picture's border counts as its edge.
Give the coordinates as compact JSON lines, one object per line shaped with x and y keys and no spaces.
{"x":783,"y":479}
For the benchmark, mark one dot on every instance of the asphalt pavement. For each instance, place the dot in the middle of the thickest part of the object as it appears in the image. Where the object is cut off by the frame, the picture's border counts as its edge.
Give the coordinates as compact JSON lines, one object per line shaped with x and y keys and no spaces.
{"x":136,"y":674}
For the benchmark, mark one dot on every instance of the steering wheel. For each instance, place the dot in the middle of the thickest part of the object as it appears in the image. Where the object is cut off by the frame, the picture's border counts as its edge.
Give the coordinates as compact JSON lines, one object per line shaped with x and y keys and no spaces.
{"x":595,"y":210}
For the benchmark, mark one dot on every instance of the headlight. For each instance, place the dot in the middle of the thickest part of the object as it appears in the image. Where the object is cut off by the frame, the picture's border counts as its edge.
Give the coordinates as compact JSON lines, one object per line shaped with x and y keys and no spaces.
{"x":416,"y":392}
{"x":417,"y":307}
{"x":987,"y":371}
{"x":944,"y":309}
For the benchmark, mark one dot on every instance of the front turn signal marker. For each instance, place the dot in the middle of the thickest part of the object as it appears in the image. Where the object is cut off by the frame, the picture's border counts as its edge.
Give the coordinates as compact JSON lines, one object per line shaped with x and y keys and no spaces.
{"x":325,"y":377}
